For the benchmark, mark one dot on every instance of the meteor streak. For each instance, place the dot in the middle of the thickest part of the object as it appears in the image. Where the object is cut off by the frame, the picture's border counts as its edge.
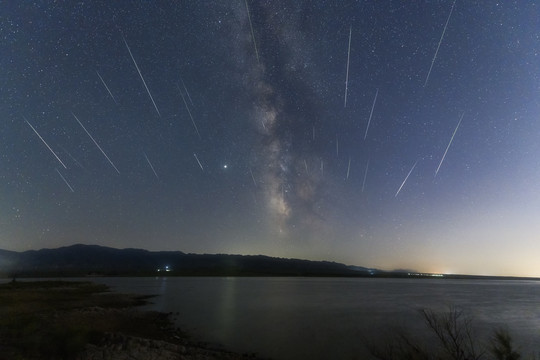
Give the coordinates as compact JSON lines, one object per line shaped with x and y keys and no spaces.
{"x":151,"y":166}
{"x":365,"y":176}
{"x":404,"y":181}
{"x":371,"y":114}
{"x":63,"y":178}
{"x":47,"y":145}
{"x":189,"y":112}
{"x":187,"y":92}
{"x":252,"y":33}
{"x":196,"y":158}
{"x":450,"y":143}
{"x":438,"y":46}
{"x":95,"y":142}
{"x":139,"y":71}
{"x":349,"y":168}
{"x":347,"y":76}
{"x":252,"y":177}
{"x":73,"y":158}
{"x":106,"y":87}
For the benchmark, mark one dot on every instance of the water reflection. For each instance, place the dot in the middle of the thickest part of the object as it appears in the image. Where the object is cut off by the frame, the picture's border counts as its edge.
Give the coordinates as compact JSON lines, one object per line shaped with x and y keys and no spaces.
{"x":227,"y":309}
{"x":319,"y":318}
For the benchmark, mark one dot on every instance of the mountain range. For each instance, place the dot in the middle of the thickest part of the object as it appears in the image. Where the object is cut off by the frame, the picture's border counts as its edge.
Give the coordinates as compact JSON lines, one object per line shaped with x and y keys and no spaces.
{"x":82,"y":260}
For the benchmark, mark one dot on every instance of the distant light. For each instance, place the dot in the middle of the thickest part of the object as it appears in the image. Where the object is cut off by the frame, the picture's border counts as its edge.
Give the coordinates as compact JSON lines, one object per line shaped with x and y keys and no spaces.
{"x":225,"y":166}
{"x":425,"y":274}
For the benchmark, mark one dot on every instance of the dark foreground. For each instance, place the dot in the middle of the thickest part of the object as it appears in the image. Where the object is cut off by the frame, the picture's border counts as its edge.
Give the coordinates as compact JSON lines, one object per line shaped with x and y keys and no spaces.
{"x":84,"y":321}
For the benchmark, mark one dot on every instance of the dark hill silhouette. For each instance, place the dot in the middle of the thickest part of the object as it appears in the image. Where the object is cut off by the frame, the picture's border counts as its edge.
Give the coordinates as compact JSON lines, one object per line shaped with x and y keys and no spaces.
{"x":77,"y":260}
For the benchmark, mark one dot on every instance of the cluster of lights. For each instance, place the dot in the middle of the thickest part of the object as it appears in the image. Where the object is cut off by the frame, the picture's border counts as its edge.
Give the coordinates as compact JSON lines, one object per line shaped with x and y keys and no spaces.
{"x":422,"y":274}
{"x":167,"y":269}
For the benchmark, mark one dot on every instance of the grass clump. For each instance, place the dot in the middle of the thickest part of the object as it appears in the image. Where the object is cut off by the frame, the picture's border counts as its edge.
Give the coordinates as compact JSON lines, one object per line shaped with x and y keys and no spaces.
{"x":451,"y":337}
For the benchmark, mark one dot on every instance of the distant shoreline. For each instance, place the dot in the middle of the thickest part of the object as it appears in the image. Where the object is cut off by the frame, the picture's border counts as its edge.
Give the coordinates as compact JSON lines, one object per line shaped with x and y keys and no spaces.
{"x":82,"y":260}
{"x":382,"y":275}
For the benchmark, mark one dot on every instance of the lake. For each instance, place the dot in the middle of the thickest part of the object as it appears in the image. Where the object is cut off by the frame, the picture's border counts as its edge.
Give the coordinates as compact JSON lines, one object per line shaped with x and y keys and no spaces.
{"x":322,"y":318}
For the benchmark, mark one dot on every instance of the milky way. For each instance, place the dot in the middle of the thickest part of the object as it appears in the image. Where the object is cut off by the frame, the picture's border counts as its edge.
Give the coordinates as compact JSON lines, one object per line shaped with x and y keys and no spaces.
{"x":221,"y":127}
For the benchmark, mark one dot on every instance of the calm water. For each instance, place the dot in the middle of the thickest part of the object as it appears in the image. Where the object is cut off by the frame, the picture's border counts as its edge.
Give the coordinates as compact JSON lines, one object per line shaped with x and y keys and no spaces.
{"x":322,"y":318}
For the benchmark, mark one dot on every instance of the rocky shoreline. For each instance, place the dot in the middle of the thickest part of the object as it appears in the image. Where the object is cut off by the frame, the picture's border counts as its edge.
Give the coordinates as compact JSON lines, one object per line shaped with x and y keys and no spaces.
{"x":168,"y":344}
{"x":84,"y":321}
{"x":118,"y":346}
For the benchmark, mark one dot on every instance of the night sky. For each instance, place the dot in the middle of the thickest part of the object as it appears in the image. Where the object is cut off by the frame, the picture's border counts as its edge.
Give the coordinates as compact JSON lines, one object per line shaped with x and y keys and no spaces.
{"x":193,"y":126}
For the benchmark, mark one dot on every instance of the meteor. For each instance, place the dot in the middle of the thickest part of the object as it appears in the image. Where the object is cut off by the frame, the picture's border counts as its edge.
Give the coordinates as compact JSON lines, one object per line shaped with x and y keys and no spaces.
{"x":196,"y":158}
{"x":404,"y":181}
{"x":438,"y":46}
{"x":73,"y":158}
{"x":47,"y":145}
{"x":95,"y":142}
{"x":371,"y":114}
{"x":365,"y":176}
{"x":63,"y":178}
{"x":139,"y":71}
{"x":151,"y":166}
{"x":347,"y":76}
{"x":187,"y":92}
{"x":252,"y":33}
{"x":189,"y":112}
{"x":252,"y":177}
{"x":106,"y":87}
{"x":450,"y":143}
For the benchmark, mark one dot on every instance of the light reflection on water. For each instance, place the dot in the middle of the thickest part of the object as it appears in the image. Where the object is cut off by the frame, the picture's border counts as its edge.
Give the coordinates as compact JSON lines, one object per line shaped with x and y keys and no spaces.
{"x":322,"y":318}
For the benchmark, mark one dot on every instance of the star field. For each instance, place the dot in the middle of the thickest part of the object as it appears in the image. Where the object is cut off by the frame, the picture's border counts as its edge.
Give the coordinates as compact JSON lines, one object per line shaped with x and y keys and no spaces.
{"x":222,"y":127}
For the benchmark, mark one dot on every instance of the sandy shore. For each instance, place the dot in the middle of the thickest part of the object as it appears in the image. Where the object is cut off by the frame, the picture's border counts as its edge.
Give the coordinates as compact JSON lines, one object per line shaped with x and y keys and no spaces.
{"x":84,"y":321}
